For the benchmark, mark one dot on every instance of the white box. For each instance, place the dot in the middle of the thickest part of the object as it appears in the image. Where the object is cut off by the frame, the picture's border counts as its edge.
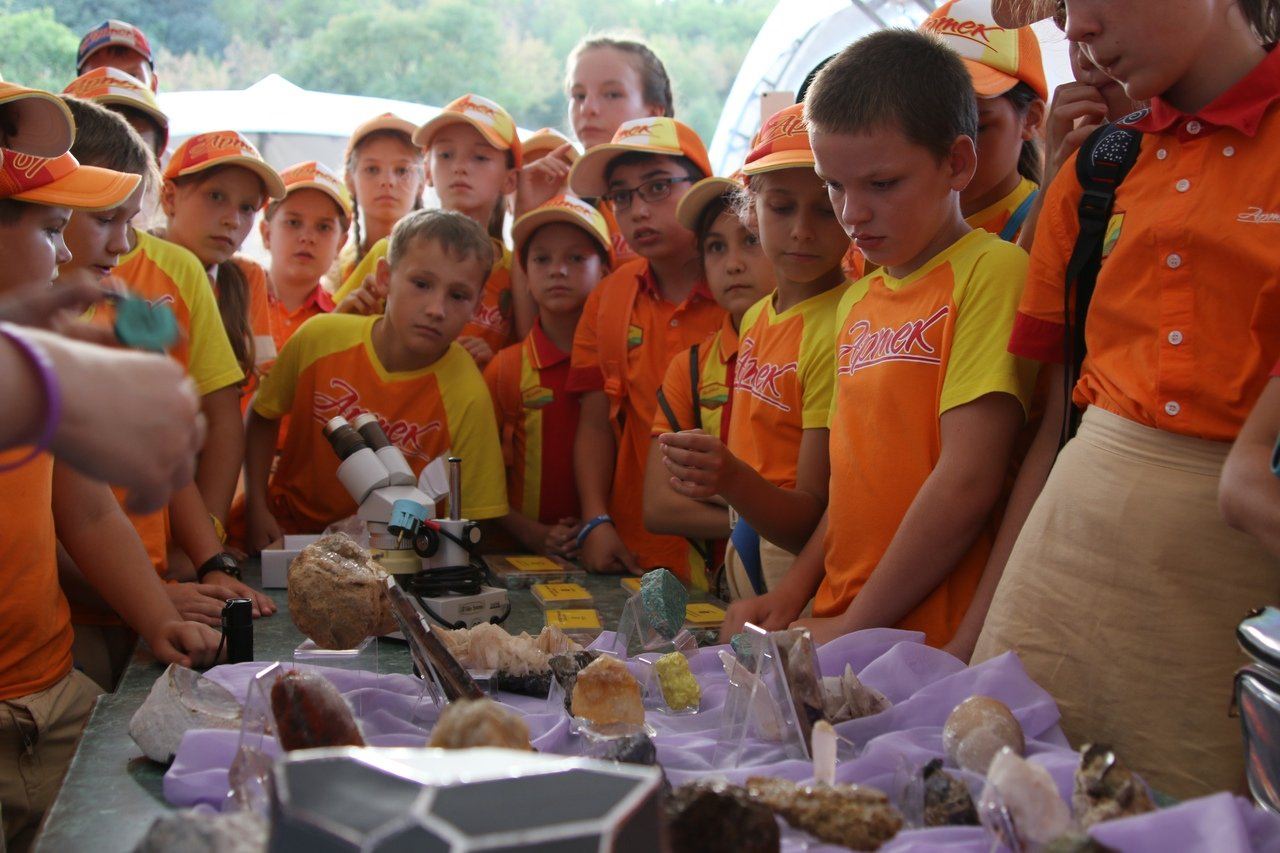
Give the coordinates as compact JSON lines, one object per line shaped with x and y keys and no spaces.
{"x":275,"y":561}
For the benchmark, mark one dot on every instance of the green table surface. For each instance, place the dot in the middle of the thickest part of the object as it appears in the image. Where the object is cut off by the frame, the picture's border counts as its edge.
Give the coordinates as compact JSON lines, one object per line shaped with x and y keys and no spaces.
{"x":112,"y":792}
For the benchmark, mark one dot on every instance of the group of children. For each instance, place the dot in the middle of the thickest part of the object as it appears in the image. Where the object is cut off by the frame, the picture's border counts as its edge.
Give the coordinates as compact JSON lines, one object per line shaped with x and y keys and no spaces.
{"x":831,"y":387}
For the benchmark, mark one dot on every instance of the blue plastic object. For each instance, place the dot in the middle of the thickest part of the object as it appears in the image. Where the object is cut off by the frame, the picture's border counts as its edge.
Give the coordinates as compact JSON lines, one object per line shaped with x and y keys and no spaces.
{"x":145,"y":325}
{"x":406,"y":517}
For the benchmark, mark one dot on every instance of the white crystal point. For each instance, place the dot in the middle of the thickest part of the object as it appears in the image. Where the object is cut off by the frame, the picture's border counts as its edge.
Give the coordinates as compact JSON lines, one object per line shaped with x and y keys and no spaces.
{"x":180,"y":700}
{"x":1027,"y":794}
{"x":823,"y":748}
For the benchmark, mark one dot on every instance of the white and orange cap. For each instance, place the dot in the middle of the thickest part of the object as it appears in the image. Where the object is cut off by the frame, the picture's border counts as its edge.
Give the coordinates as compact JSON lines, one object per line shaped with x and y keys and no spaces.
{"x":206,"y":151}
{"x":494,"y":123}
{"x":660,"y":135}
{"x":386,"y":121}
{"x":62,"y":182}
{"x":113,"y":87}
{"x":690,"y":209}
{"x":562,"y":208}
{"x":317,"y":176}
{"x":998,"y":58}
{"x":544,"y":141}
{"x":113,"y":33}
{"x":42,"y":123}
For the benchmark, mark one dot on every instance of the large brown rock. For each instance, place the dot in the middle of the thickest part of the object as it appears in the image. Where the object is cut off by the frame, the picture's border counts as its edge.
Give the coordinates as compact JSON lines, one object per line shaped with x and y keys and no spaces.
{"x":337,"y":595}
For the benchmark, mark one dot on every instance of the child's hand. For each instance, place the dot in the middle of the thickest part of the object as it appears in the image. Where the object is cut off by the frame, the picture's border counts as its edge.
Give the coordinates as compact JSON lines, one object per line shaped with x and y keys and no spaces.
{"x":47,"y":307}
{"x":822,"y":629}
{"x":543,"y":180}
{"x":562,"y":539}
{"x":478,"y":349}
{"x":700,"y":465}
{"x":772,"y":611}
{"x":199,"y":602}
{"x":262,"y":603}
{"x":605,"y":553}
{"x":184,"y":643}
{"x":261,"y":529}
{"x":1078,"y":110}
{"x":365,"y":299}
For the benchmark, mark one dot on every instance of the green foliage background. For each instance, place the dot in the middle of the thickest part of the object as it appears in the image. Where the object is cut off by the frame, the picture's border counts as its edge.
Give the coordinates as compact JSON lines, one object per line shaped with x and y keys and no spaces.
{"x":426,"y":51}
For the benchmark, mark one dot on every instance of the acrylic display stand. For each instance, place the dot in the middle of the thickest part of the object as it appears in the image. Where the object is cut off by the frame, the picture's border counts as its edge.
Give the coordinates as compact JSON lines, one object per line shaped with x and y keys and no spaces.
{"x":363,"y":657}
{"x":654,"y":698}
{"x":636,"y":635}
{"x":758,"y":706}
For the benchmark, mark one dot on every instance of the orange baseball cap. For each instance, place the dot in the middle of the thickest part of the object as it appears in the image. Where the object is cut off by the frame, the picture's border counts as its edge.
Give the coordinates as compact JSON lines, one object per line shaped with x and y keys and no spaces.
{"x":998,"y":58}
{"x":702,"y":194}
{"x":386,"y":121}
{"x":113,"y":87}
{"x":317,"y":176}
{"x":222,"y":148}
{"x":43,"y":123}
{"x":782,"y":143}
{"x":62,"y":182}
{"x":563,"y":208}
{"x":543,"y":142}
{"x":661,"y":136}
{"x":494,"y":123}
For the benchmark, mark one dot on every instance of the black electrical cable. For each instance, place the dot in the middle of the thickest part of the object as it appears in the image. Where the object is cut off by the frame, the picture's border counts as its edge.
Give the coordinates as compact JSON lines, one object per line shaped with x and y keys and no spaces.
{"x":449,"y":580}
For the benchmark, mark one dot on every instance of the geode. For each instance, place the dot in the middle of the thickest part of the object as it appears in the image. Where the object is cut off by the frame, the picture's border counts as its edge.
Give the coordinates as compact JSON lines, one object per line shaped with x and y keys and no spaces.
{"x":947,"y":801}
{"x":606,"y":693}
{"x":855,"y":816}
{"x":665,"y":600}
{"x":336,"y":593}
{"x":977,"y":729}
{"x":1105,"y":789}
{"x":479,"y":722}
{"x":714,"y":816}
{"x":310,"y":712}
{"x":180,"y":700}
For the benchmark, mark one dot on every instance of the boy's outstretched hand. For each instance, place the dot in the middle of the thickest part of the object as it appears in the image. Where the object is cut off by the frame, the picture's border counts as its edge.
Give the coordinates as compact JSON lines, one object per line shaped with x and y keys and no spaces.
{"x":772,"y":611}
{"x":262,"y":603}
{"x":366,"y":299}
{"x":604,"y":553}
{"x":261,"y":529}
{"x":822,"y":629}
{"x":701,"y":466}
{"x":562,"y":539}
{"x":187,"y":644}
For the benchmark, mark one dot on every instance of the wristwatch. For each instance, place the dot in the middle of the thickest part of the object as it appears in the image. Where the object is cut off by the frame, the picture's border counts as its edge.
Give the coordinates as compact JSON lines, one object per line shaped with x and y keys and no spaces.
{"x":223,"y":562}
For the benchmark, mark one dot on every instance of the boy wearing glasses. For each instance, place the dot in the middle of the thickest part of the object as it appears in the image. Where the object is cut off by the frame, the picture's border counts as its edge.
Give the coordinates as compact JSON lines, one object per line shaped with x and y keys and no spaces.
{"x":638,"y":317}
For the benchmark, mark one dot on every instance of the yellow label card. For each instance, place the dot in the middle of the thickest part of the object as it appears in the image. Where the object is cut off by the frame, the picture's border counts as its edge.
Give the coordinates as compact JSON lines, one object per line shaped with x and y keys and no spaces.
{"x":535,"y":564}
{"x":561,"y":592}
{"x":631,"y":584}
{"x":703,"y":614}
{"x":573,"y":620}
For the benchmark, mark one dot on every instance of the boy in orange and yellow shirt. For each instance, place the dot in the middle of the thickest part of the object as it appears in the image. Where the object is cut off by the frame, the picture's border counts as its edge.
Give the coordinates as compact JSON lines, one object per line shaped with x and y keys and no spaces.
{"x":405,"y":366}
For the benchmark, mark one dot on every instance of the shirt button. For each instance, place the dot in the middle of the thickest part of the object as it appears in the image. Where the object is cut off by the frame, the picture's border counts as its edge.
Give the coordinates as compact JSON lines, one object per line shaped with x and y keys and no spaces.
{"x":1183,"y":185}
{"x":1175,"y":337}
{"x":1161,"y":154}
{"x":1172,"y":408}
{"x":1229,"y":151}
{"x":1193,"y":127}
{"x":675,"y":323}
{"x":1174,"y":261}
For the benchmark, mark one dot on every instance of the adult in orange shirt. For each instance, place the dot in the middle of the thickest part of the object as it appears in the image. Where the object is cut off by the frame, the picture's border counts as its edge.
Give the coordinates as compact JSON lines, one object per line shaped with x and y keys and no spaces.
{"x":696,"y":392}
{"x":563,"y":248}
{"x":304,"y":232}
{"x":774,"y":469}
{"x":1249,"y":496}
{"x":635,"y":321}
{"x":404,"y":366}
{"x":1123,"y":533}
{"x":927,"y":401}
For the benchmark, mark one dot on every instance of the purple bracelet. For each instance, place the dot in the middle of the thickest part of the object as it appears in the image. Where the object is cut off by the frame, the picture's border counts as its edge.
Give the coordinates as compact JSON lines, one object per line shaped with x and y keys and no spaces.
{"x":52,"y":393}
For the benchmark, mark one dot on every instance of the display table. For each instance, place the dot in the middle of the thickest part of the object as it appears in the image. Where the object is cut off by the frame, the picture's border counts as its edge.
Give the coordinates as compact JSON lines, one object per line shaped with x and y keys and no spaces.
{"x":112,"y":793}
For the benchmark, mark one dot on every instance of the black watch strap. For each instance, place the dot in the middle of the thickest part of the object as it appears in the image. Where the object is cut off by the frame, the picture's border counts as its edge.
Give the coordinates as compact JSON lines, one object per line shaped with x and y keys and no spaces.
{"x":223,"y":562}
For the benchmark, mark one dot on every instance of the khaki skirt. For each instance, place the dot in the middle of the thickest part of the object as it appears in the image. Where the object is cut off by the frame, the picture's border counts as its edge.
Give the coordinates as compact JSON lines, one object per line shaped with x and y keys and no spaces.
{"x":1122,"y":596}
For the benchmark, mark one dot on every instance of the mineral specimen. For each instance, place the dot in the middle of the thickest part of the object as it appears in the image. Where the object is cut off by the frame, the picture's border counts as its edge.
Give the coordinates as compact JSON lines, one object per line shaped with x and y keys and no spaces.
{"x":947,"y":801}
{"x":310,"y":712}
{"x":1106,"y":789}
{"x":1025,"y":795}
{"x":977,"y":729}
{"x":565,"y":669}
{"x":487,"y":646}
{"x":632,"y":749}
{"x":855,"y":816}
{"x":801,"y":667}
{"x":181,"y":699}
{"x":336,"y":595}
{"x":679,"y":688}
{"x":847,"y":698}
{"x":194,"y":831}
{"x":606,"y":693}
{"x":479,"y":722}
{"x":711,"y":816}
{"x":665,"y":600}
{"x":743,"y":648}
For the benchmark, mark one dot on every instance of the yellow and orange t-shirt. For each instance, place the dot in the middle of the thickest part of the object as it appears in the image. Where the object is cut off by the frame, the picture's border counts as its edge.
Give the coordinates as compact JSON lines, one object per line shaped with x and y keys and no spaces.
{"x":492,"y":321}
{"x":1182,"y":326}
{"x":330,"y":368}
{"x":35,"y":621}
{"x":907,"y":351}
{"x":285,"y":322}
{"x":784,"y":382}
{"x":537,"y":420}
{"x":996,"y":217}
{"x":655,"y":331}
{"x":713,"y":402}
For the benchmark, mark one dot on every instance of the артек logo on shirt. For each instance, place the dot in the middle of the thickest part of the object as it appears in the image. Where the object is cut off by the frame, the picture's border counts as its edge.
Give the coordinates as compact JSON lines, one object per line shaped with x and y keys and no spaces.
{"x":1259,"y":216}
{"x":407,"y":436}
{"x":905,"y":343}
{"x":760,"y":378}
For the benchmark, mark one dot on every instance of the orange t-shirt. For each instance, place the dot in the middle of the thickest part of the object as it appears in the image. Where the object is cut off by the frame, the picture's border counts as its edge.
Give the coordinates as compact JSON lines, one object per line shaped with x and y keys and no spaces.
{"x":264,"y":342}
{"x":35,"y":622}
{"x":656,"y":330}
{"x":537,"y":420}
{"x":995,"y":217}
{"x":854,"y":263}
{"x":285,"y":322}
{"x":717,"y":361}
{"x":1182,"y":327}
{"x":907,"y":351}
{"x":784,"y":382}
{"x":330,"y":368}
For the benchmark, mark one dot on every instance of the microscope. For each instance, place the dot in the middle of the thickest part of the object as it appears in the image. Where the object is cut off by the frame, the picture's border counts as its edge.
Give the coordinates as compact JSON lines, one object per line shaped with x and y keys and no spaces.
{"x":432,"y":558}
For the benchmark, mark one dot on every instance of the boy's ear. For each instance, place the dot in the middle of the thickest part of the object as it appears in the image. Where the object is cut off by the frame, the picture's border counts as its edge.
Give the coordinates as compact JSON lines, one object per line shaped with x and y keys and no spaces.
{"x":168,"y":197}
{"x":383,"y":275}
{"x":962,"y":162}
{"x":1033,"y":121}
